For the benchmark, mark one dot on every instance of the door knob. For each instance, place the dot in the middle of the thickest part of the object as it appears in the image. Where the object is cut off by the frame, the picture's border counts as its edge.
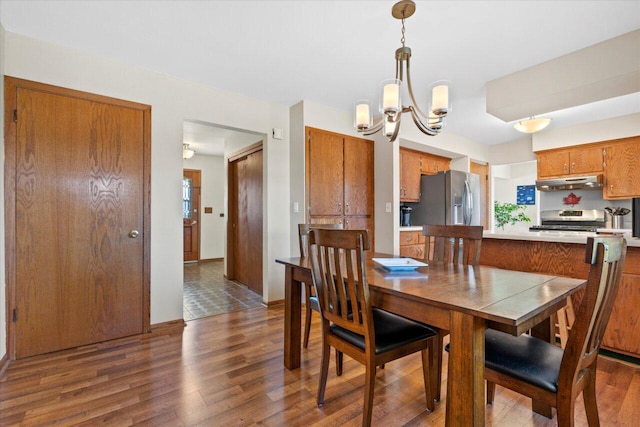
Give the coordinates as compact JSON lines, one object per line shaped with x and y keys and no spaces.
{"x":134,"y":233}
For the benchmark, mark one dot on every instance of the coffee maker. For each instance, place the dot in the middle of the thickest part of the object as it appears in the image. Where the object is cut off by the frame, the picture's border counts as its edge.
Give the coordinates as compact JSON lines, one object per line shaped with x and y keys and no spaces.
{"x":405,"y":216}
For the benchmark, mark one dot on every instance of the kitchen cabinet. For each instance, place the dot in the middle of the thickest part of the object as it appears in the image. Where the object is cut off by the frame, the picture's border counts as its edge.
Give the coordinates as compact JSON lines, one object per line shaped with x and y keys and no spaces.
{"x":414,"y":164}
{"x":580,"y":160}
{"x":432,"y":164}
{"x":567,"y":259}
{"x":410,"y":174}
{"x":339,"y":180}
{"x":412,"y":244}
{"x":621,"y":160}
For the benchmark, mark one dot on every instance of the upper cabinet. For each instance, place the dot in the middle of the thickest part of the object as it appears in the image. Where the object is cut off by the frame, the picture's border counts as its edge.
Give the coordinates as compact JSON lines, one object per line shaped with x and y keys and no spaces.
{"x":339,"y":180}
{"x":409,"y":175}
{"x":617,"y":160}
{"x":574,"y":161}
{"x":621,"y":178}
{"x":414,"y":164}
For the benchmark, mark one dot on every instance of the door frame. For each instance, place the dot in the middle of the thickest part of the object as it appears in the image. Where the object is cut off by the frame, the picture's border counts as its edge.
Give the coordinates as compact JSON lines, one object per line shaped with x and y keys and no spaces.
{"x":11,"y":86}
{"x":232,"y":204}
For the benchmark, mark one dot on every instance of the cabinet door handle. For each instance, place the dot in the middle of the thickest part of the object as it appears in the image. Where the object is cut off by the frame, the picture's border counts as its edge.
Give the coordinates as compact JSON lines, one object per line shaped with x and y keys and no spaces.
{"x":573,"y":167}
{"x":346,"y":210}
{"x":611,"y":188}
{"x":339,"y":207}
{"x":565,"y":168}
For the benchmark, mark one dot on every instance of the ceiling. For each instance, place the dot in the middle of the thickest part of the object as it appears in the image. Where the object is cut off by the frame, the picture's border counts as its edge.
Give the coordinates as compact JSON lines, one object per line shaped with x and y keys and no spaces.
{"x":335,"y":52}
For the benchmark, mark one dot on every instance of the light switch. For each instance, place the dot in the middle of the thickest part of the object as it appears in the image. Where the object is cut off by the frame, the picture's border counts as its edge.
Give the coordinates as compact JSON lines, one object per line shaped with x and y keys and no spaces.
{"x":388,"y":207}
{"x":296,"y":207}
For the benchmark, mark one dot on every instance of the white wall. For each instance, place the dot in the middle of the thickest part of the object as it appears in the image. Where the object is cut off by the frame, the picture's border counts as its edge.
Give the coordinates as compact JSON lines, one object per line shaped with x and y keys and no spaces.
{"x":512,"y":152}
{"x":3,"y":293}
{"x":212,"y":191}
{"x":506,"y":179}
{"x":172,"y":100}
{"x":601,"y":130}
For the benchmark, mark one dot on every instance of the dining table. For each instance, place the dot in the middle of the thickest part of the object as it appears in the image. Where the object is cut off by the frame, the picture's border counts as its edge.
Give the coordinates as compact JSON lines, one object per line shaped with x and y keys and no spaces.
{"x":464,"y":300}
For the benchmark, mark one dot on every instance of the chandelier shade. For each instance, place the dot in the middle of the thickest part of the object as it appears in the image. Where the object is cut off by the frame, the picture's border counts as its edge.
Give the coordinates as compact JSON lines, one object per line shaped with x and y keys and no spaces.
{"x":187,"y":153}
{"x":391,"y":105}
{"x":532,"y":125}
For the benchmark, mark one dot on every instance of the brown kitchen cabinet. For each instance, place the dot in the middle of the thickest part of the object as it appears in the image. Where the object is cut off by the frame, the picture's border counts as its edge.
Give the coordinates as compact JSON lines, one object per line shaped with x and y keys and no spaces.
{"x":432,"y":164}
{"x":339,"y":180}
{"x":621,"y":178}
{"x":567,"y":259}
{"x":580,"y":160}
{"x":412,"y":244}
{"x":410,"y":173}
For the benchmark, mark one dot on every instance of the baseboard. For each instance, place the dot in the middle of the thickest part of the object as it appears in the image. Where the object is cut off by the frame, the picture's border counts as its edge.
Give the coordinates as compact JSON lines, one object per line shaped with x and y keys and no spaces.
{"x":211,"y":260}
{"x":4,"y":364}
{"x":276,"y":302}
{"x":170,"y":327}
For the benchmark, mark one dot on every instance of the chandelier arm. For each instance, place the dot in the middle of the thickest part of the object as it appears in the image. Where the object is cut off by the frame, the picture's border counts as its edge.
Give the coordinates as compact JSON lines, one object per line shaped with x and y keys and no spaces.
{"x":413,"y":99}
{"x":423,"y":128}
{"x":396,"y":129}
{"x":373,"y":129}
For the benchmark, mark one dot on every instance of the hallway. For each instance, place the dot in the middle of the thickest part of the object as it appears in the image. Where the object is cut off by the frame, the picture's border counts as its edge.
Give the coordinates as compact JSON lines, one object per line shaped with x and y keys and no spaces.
{"x":207,"y":292}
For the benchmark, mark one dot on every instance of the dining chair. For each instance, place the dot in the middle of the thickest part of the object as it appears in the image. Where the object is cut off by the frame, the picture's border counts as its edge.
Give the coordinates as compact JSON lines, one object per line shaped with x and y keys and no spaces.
{"x":349,"y":323}
{"x":455,"y":244}
{"x":310,"y":299}
{"x":546,"y":372}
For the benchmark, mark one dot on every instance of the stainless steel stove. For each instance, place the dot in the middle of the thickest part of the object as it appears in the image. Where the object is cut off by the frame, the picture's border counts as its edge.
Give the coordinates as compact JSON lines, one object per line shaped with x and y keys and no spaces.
{"x":571,"y":220}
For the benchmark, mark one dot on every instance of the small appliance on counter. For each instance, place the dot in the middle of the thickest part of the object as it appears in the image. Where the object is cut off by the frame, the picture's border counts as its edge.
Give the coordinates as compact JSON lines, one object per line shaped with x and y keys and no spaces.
{"x":405,"y":216}
{"x":617,"y":216}
{"x":635,"y":207}
{"x":571,"y":220}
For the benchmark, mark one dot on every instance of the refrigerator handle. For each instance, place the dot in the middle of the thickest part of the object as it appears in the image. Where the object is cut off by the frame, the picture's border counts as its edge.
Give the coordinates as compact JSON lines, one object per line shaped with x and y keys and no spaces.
{"x":467,"y":203}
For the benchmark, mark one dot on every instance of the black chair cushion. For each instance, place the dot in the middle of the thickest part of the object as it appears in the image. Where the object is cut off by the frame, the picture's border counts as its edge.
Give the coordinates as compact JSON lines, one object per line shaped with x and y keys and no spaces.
{"x":313,"y":303}
{"x":392,"y":331}
{"x":524,"y":357}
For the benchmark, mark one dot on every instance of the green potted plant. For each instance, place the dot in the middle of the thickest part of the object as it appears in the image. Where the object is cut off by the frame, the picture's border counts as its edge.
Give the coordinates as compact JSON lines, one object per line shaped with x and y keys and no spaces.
{"x":509,"y":213}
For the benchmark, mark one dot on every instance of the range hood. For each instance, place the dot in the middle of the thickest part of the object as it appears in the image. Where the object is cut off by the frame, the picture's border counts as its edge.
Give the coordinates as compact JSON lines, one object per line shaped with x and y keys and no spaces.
{"x":592,"y":182}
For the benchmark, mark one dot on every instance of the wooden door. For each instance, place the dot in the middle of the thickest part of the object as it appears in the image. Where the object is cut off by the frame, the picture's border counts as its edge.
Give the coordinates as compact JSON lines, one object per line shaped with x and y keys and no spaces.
{"x":325,"y":184}
{"x":358,"y":176}
{"x":77,"y":203}
{"x":191,"y":180}
{"x":245,"y":218}
{"x":483,"y":172}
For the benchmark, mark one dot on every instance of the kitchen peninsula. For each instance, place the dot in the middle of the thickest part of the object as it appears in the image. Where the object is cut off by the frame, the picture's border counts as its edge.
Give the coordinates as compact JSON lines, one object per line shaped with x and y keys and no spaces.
{"x":563,"y":254}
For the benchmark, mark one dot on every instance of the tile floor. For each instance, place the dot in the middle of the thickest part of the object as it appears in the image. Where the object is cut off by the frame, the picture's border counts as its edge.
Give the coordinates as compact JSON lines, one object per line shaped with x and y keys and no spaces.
{"x":207,"y":292}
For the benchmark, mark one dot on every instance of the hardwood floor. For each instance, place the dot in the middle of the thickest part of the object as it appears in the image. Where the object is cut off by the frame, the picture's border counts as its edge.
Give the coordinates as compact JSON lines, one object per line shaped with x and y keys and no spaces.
{"x":227,"y":370}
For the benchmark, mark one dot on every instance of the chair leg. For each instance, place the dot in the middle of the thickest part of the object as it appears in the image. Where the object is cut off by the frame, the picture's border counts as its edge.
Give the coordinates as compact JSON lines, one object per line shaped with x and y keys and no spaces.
{"x":324,"y":372}
{"x":370,"y":378}
{"x":590,"y":403}
{"x":427,"y":376}
{"x":436,"y":364}
{"x":307,"y":323}
{"x":491,"y":392}
{"x":565,"y":411}
{"x":339,"y":363}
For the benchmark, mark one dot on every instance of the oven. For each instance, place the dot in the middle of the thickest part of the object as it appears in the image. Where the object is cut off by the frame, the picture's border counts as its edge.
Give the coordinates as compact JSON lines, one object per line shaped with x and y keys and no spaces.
{"x":571,"y":220}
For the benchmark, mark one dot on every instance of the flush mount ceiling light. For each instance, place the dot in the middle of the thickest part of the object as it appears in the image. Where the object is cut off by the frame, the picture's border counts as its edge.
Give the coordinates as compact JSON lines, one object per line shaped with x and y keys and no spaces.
{"x":187,"y":153}
{"x":532,"y":125}
{"x":390,"y":102}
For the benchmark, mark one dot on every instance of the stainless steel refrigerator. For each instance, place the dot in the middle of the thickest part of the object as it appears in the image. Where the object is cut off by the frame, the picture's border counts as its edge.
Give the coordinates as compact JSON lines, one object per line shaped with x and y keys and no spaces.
{"x":448,"y":198}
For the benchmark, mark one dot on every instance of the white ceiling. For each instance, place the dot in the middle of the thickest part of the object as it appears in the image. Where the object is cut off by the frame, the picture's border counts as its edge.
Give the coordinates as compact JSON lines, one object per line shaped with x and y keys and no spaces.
{"x":334,"y":52}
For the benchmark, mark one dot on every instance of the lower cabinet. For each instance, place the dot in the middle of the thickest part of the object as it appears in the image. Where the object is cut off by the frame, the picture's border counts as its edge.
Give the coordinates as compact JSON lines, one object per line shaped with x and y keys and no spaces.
{"x":412,"y":244}
{"x":567,"y":259}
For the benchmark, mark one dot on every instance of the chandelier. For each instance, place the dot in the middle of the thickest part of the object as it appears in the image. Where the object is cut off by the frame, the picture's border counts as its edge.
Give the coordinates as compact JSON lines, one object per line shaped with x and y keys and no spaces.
{"x":390,"y":103}
{"x":187,"y":152}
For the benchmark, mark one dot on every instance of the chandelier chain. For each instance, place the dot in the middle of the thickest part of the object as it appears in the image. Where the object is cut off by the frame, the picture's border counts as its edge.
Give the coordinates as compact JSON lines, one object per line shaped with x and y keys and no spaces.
{"x":402,"y":39}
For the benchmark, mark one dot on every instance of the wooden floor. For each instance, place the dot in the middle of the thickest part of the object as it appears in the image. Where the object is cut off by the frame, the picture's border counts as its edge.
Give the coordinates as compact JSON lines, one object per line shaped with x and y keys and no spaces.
{"x":227,"y":370}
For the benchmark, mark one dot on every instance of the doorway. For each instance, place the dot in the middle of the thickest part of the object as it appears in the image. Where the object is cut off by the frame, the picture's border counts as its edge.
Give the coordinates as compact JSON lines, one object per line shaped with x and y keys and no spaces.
{"x":191,"y":214}
{"x":208,"y":288}
{"x":77,"y":223}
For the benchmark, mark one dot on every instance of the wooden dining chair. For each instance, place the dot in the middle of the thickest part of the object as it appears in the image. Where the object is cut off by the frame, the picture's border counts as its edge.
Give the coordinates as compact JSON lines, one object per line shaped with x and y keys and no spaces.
{"x":349,"y":324}
{"x":545,"y":372}
{"x":310,"y":299}
{"x":455,"y":244}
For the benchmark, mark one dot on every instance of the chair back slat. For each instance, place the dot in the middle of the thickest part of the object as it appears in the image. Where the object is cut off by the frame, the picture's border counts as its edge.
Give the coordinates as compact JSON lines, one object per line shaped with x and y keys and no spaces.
{"x":606,"y":256}
{"x":339,"y":275}
{"x":303,"y":235}
{"x":453,"y":244}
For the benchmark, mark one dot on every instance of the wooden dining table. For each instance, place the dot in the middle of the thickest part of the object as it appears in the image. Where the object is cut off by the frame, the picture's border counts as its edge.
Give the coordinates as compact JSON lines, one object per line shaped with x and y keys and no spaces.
{"x":463,"y":300}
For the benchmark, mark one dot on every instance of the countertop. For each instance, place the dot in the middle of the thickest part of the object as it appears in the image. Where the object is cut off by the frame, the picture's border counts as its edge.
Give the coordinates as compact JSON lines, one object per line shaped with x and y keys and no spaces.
{"x":547,"y":236}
